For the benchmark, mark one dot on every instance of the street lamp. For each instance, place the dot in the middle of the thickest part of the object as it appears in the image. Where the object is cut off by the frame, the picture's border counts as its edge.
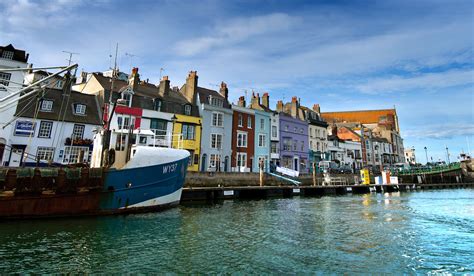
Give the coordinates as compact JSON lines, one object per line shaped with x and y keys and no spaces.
{"x":426,"y":152}
{"x":447,"y":154}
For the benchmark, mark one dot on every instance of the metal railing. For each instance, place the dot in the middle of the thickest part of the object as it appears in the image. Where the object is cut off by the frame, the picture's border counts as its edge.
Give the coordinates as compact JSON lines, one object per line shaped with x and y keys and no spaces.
{"x":431,"y":169}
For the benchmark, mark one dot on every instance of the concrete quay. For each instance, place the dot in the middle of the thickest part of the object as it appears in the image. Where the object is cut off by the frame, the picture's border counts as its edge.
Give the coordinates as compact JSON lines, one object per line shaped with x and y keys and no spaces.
{"x":261,"y":192}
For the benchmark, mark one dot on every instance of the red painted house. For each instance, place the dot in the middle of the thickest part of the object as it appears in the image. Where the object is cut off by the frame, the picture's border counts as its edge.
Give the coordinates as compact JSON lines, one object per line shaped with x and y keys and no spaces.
{"x":243,"y":135}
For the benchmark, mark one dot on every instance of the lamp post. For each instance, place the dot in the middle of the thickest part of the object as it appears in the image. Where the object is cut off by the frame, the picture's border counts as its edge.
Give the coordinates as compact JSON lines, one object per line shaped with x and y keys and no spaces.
{"x":447,"y":154}
{"x":426,"y":152}
{"x":173,"y":120}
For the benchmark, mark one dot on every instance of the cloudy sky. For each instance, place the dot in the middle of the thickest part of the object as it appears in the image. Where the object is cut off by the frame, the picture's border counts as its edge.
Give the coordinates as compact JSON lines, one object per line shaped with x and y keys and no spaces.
{"x":344,"y":55}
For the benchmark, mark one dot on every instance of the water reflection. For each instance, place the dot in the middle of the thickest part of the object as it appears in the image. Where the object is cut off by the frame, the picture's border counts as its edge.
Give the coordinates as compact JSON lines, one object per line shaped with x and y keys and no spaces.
{"x":380,"y":233}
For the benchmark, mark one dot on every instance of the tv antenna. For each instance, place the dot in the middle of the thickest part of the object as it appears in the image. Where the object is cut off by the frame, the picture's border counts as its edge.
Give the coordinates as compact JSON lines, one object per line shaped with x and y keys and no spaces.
{"x":161,"y":71}
{"x":70,"y":56}
{"x":131,"y":58}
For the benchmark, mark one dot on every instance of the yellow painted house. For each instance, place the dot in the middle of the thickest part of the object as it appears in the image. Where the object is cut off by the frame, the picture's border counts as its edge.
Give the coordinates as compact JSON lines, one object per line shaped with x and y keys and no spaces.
{"x":187,"y":135}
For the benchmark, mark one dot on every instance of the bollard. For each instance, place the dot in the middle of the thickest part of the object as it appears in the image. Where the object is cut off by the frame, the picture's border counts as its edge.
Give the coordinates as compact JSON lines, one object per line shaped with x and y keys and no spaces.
{"x":260,"y":165}
{"x":314,"y":174}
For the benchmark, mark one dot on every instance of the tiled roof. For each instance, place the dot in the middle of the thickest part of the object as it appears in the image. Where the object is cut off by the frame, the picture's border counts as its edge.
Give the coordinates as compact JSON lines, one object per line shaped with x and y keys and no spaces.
{"x":92,"y":115}
{"x":361,"y":116}
{"x":204,"y":94}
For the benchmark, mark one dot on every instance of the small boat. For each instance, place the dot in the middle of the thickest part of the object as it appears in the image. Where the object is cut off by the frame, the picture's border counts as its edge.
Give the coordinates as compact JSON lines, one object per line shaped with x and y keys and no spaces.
{"x":137,"y":178}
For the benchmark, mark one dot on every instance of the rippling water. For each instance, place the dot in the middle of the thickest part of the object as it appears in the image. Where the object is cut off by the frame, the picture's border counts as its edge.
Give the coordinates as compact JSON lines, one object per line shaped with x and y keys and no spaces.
{"x":422,"y":232}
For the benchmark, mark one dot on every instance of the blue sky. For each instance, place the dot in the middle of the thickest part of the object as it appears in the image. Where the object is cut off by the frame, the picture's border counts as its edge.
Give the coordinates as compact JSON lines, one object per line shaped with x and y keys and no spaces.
{"x":344,"y":55}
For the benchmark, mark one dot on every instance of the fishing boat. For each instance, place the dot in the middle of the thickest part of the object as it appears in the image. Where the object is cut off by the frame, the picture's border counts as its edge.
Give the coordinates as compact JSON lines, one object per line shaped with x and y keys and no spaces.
{"x":139,"y":178}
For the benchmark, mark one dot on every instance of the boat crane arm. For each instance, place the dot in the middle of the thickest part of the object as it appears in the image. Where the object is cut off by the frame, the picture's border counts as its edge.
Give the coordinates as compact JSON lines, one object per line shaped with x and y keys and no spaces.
{"x":33,"y":84}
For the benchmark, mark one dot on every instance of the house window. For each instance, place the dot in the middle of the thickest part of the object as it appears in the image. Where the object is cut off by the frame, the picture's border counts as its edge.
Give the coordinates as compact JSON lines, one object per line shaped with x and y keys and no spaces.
{"x":302,"y":145}
{"x":301,"y":131}
{"x":157,"y":106}
{"x":45,"y":129}
{"x":187,"y":131}
{"x":287,"y":128}
{"x":242,"y":139}
{"x":217,"y":102}
{"x":214,"y":160}
{"x":241,"y":120}
{"x":158,"y":127}
{"x":78,"y":132}
{"x":217,"y":119}
{"x":120,"y":142}
{"x":80,"y":109}
{"x":71,"y":154}
{"x":46,"y":105}
{"x":295,"y":129}
{"x":274,"y":148}
{"x":241,"y":159}
{"x":7,"y":55}
{"x":4,"y":80}
{"x":216,"y":141}
{"x":262,"y":124}
{"x":59,"y":84}
{"x":191,"y":155}
{"x":274,"y":132}
{"x":45,"y":153}
{"x":187,"y":110}
{"x":262,"y":140}
{"x":287,"y":144}
{"x":126,"y":122}
{"x":127,"y":96}
{"x":249,"y":122}
{"x":295,"y":145}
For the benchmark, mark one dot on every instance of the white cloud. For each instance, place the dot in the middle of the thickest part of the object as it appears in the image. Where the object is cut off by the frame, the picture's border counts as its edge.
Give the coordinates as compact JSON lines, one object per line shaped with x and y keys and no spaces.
{"x":428,"y":81}
{"x":226,"y":34}
{"x":440,"y":131}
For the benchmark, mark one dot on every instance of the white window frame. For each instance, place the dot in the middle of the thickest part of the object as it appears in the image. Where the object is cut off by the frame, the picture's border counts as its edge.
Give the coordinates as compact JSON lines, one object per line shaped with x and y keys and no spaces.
{"x":216,"y":141}
{"x":4,"y":80}
{"x":262,"y":124}
{"x":187,"y":110}
{"x":80,"y":109}
{"x":249,"y":122}
{"x":241,"y":159}
{"x":78,"y":132}
{"x":73,"y":151}
{"x":8,"y":55}
{"x":45,"y":126}
{"x":242,"y":138}
{"x":214,"y":159}
{"x":274,"y":131}
{"x":217,"y":119}
{"x":240,"y":120}
{"x":47,"y":105}
{"x":45,"y":153}
{"x":262,"y":140}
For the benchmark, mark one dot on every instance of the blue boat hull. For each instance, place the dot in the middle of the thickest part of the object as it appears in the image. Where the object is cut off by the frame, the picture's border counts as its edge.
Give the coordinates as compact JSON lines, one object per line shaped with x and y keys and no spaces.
{"x":122,"y":191}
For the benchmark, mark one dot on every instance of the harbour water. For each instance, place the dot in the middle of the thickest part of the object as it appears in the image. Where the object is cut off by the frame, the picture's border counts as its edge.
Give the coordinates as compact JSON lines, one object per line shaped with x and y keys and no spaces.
{"x":413,"y":232}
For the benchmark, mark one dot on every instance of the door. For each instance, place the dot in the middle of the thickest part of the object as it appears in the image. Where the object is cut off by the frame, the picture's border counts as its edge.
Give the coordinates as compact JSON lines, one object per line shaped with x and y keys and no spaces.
{"x":296,"y":164}
{"x":203,"y":163}
{"x":16,"y":157}
{"x":226,"y":163}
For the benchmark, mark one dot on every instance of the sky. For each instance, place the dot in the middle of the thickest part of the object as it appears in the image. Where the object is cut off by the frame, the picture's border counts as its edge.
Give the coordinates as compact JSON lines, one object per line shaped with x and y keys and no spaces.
{"x":343,"y":55}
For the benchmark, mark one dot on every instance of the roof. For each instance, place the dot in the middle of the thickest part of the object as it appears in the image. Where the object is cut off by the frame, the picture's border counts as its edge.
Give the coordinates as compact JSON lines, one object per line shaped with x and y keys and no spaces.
{"x":360,"y":116}
{"x":18,"y":55}
{"x":204,"y":94}
{"x":92,"y":115}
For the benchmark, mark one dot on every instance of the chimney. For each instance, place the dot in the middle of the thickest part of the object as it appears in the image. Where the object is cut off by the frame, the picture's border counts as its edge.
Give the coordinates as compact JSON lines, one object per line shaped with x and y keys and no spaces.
{"x":316,"y":108}
{"x":164,"y":87}
{"x":266,"y":100}
{"x":241,"y":101}
{"x":279,"y":106}
{"x":224,"y":90}
{"x":253,"y":101}
{"x":294,"y":107}
{"x":191,"y":87}
{"x":134,"y":78}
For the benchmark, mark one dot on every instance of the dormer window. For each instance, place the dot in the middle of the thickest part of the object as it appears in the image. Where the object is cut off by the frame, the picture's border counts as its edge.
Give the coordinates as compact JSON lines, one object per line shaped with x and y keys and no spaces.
{"x":187,"y":110}
{"x":216,"y":102}
{"x":7,"y":55}
{"x":46,"y":105}
{"x":128,"y":98}
{"x":80,"y":109}
{"x":158,"y":104}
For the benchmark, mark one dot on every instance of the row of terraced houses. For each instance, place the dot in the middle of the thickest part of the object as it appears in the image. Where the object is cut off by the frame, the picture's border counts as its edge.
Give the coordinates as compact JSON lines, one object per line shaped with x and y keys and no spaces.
{"x":58,"y":125}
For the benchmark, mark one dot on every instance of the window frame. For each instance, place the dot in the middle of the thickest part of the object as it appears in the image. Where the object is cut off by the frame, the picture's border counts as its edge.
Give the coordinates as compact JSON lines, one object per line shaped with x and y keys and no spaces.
{"x":216,"y":140}
{"x":241,"y":142}
{"x":217,"y":119}
{"x":40,"y":129}
{"x":80,"y":134}
{"x":43,"y":152}
{"x":262,"y":140}
{"x":46,"y":105}
{"x":78,"y":108}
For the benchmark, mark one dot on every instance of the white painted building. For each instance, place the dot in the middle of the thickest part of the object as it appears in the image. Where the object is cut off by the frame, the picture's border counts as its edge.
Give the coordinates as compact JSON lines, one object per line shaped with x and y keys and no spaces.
{"x":61,"y":132}
{"x":10,"y":82}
